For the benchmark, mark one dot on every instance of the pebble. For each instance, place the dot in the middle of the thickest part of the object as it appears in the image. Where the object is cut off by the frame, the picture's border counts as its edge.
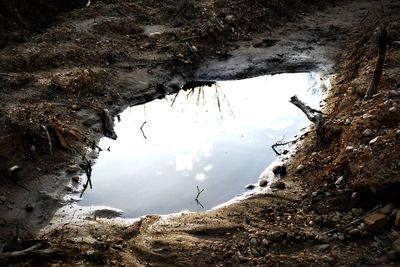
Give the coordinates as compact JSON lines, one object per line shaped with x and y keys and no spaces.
{"x":279,"y":170}
{"x":74,"y":107}
{"x":75,"y":178}
{"x":347,"y":122}
{"x":340,"y":180}
{"x":396,"y":245}
{"x":278,"y":185}
{"x":73,"y":168}
{"x":300,"y":168}
{"x":367,"y":133}
{"x":253,"y":241}
{"x":3,"y":199}
{"x":322,"y":247}
{"x":263,"y":182}
{"x":229,"y":19}
{"x":250,"y":186}
{"x":373,"y":141}
{"x":392,"y":255}
{"x":387,"y":209}
{"x":375,"y":221}
{"x":354,"y":195}
{"x":397,"y":219}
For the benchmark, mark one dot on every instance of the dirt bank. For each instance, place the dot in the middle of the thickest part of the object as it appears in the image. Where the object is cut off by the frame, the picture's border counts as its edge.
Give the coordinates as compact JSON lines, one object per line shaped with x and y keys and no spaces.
{"x":112,"y":54}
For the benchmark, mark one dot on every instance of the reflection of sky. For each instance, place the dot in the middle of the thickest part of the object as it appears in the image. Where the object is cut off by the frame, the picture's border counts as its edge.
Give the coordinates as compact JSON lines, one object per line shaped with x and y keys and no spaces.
{"x":216,"y":137}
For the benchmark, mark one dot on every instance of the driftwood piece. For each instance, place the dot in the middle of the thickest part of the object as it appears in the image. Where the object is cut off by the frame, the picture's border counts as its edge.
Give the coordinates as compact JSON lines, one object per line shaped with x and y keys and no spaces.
{"x":108,"y":124}
{"x":313,"y":115}
{"x":32,"y":253}
{"x":381,"y":36}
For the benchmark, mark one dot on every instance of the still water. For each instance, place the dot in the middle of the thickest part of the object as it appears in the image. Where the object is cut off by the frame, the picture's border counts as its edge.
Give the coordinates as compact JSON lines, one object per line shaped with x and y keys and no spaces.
{"x":217,"y":138}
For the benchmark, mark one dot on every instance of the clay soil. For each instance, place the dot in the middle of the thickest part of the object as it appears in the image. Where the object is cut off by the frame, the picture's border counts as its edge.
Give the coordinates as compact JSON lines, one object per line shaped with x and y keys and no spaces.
{"x":62,"y":65}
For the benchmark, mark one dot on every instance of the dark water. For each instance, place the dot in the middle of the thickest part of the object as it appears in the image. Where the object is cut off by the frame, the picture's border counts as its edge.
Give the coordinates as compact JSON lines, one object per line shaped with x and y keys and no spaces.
{"x":217,"y":138}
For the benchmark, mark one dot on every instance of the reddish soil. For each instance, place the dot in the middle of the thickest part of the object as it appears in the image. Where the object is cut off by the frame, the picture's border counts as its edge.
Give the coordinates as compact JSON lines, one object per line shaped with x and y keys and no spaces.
{"x":112,"y":54}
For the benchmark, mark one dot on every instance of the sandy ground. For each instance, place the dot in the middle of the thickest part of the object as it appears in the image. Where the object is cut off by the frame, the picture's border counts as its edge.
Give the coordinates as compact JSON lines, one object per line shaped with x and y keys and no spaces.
{"x":115,"y":54}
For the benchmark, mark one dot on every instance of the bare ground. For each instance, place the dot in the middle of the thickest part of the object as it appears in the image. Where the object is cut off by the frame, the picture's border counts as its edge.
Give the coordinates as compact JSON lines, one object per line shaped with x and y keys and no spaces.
{"x":113,"y":54}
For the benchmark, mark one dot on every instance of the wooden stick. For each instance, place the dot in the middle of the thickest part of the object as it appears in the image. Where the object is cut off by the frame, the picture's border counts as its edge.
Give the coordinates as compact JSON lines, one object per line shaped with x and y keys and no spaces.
{"x":141,"y":128}
{"x":197,"y":197}
{"x":381,"y":35}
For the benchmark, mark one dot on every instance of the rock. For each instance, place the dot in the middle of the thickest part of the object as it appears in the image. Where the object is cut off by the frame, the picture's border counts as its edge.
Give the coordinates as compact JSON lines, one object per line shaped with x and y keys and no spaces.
{"x":229,"y":19}
{"x":74,"y":107}
{"x":396,"y":245}
{"x":253,"y":241}
{"x":3,"y":199}
{"x":73,"y":168}
{"x":108,"y":213}
{"x":373,"y":141}
{"x":367,"y":133}
{"x":340,"y":180}
{"x":29,"y":207}
{"x":279,"y":170}
{"x":397,"y":219}
{"x":75,"y":178}
{"x":14,"y":169}
{"x":354,"y":195}
{"x":263,"y":182}
{"x":387,"y":209}
{"x":347,"y":122}
{"x":375,"y":222}
{"x":300,"y":168}
{"x":322,"y":247}
{"x":392,"y":255}
{"x":278,"y":185}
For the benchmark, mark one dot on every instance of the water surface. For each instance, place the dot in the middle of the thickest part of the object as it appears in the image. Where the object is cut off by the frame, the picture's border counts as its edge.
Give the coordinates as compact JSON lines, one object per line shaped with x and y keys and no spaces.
{"x":217,"y":138}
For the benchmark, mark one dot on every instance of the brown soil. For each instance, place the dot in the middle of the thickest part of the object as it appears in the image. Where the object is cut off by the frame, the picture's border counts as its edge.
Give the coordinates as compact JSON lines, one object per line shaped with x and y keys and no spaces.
{"x":113,"y":54}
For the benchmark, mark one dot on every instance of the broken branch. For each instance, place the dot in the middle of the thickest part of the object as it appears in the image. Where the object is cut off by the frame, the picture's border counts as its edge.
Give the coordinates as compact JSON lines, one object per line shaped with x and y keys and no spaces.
{"x":141,"y":128}
{"x":313,"y":115}
{"x":197,"y":197}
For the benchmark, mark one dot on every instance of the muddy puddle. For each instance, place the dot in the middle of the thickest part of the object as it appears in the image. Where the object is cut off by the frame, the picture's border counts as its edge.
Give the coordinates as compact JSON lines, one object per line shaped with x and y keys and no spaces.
{"x":215,"y":138}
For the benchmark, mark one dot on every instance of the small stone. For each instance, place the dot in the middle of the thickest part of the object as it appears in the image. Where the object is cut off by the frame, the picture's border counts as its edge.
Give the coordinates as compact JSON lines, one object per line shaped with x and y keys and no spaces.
{"x":396,"y":245}
{"x":265,"y":242}
{"x":253,"y":241}
{"x":300,"y":168}
{"x":73,"y":168}
{"x":322,"y":247}
{"x":229,"y":19}
{"x":347,"y":122}
{"x":375,"y":222}
{"x":14,"y":169}
{"x":367,"y":133}
{"x":397,"y":219}
{"x":382,"y":156}
{"x":392,"y":255}
{"x":340,"y":180}
{"x":74,"y":107}
{"x":387,"y":209}
{"x":354,"y":195}
{"x":29,"y":207}
{"x":279,"y":170}
{"x":75,"y":178}
{"x":373,"y":141}
{"x":263,"y":182}
{"x":278,"y":185}
{"x":3,"y":199}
